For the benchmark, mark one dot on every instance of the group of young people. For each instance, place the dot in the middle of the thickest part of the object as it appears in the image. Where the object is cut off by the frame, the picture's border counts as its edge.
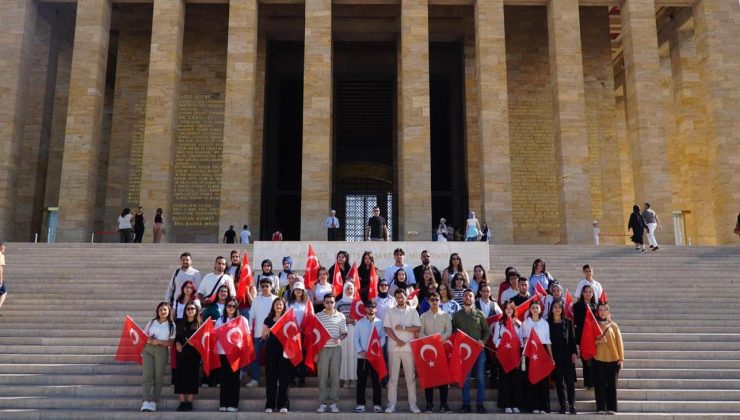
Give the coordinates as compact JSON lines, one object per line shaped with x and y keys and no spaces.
{"x":401,"y":304}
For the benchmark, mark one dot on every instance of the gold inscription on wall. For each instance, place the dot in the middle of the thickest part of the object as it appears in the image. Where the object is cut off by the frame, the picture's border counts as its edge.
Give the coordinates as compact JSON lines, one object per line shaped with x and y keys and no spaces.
{"x":533,"y":171}
{"x":197,"y":191}
{"x":136,"y":133}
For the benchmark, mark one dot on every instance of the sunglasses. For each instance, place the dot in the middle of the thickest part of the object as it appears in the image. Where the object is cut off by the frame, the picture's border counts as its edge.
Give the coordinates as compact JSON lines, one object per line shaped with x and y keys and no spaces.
{"x":231,"y":306}
{"x":264,"y":285}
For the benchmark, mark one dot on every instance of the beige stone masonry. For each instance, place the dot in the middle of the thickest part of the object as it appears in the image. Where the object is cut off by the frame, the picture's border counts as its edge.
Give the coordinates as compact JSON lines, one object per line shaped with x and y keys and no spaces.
{"x":495,"y":170}
{"x":317,"y":121}
{"x":160,"y":129}
{"x":239,"y":129}
{"x":644,"y":108}
{"x":569,"y":121}
{"x":79,"y":179}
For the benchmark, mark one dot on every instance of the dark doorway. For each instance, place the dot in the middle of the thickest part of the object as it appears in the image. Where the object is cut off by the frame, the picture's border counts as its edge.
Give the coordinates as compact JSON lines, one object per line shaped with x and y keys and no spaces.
{"x":281,"y":173}
{"x":449,"y":181}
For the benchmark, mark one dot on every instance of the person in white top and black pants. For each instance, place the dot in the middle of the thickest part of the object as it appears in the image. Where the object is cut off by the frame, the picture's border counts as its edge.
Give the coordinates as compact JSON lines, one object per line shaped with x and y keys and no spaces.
{"x":332,"y":226}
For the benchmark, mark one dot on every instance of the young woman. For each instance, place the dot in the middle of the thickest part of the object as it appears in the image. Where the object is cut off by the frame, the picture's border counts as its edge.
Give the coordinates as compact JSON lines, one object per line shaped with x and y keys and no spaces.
{"x":459,"y":284}
{"x":229,"y":390}
{"x":485,"y":232}
{"x":539,"y":393}
{"x":216,"y":309}
{"x":267,"y":273}
{"x":585,"y":302}
{"x":366,"y":266}
{"x":472,"y":228}
{"x":158,"y":229}
{"x":301,"y":304}
{"x":161,"y":334}
{"x":539,"y":275}
{"x":556,"y":295}
{"x":400,"y":282}
{"x":348,"y":365}
{"x":139,"y":225}
{"x":187,"y":295}
{"x":124,"y":226}
{"x":510,"y":390}
{"x":343,"y":261}
{"x":384,"y":299}
{"x":188,"y":359}
{"x":637,"y":225}
{"x":564,"y":352}
{"x":321,"y":289}
{"x":446,"y":303}
{"x":607,"y":362}
{"x":479,"y":276}
{"x":424,"y":303}
{"x":427,"y":279}
{"x":454,"y":266}
{"x":442,"y":230}
{"x":278,"y":369}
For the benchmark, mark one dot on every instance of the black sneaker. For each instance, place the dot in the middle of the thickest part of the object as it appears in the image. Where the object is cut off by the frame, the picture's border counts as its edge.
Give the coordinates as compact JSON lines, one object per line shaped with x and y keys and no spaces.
{"x":445,"y":409}
{"x":430,"y":408}
{"x":481,"y":409}
{"x":562,"y":410}
{"x":181,"y":407}
{"x":573,"y":410}
{"x":465,"y":409}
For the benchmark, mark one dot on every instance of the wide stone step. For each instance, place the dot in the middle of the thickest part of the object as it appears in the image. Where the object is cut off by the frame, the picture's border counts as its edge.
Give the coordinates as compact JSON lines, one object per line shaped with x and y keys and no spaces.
{"x":683,"y":346}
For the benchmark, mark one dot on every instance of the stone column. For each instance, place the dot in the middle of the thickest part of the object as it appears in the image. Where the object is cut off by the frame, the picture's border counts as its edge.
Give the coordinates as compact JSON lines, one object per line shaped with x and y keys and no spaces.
{"x":160,"y":128}
{"x":17,"y":22}
{"x":239,"y":114}
{"x":317,"y":120}
{"x":644,"y":104}
{"x":79,"y":180}
{"x":495,"y":170}
{"x":569,"y":121}
{"x":717,"y":33}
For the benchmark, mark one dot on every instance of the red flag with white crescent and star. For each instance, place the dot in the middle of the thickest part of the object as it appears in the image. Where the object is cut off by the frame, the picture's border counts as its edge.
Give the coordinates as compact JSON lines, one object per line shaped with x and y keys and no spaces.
{"x":374,"y":355}
{"x":286,"y":330}
{"x":590,"y":333}
{"x":357,"y":311}
{"x":540,"y":362}
{"x":245,"y":281}
{"x":338,"y":281}
{"x":492,"y":321}
{"x":465,"y":351}
{"x":354,"y":275}
{"x":448,"y":344}
{"x":204,"y":343}
{"x":315,"y":337}
{"x":312,"y":269}
{"x":509,"y":351}
{"x":521,"y":310}
{"x":372,"y":292}
{"x":431,"y":363}
{"x":236,"y":340}
{"x":132,"y":342}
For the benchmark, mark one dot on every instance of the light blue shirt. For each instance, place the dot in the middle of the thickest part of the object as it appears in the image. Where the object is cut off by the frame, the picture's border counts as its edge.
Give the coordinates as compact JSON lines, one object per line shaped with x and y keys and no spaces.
{"x":542,"y":278}
{"x":363,"y":330}
{"x":390,"y":271}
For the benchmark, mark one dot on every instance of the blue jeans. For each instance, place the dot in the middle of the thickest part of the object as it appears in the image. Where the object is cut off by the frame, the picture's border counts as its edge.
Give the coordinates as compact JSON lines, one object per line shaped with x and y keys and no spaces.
{"x":254,"y":367}
{"x":480,"y":381}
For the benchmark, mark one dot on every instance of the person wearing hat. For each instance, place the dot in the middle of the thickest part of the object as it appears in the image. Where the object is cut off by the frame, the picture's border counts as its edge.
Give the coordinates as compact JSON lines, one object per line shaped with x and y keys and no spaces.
{"x":442,"y":230}
{"x":260,"y":309}
{"x":300,"y":302}
{"x":363,"y":330}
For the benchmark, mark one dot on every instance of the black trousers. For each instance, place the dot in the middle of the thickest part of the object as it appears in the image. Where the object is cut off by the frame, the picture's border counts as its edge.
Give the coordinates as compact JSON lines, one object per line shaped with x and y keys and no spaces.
{"x":278,"y":372}
{"x":564,"y":376}
{"x":365,"y":369}
{"x":138,"y":234}
{"x":331,"y":234}
{"x":587,"y":374}
{"x":510,"y":389}
{"x":229,"y":391}
{"x":605,"y":376}
{"x":538,"y":395}
{"x":443,"y":390}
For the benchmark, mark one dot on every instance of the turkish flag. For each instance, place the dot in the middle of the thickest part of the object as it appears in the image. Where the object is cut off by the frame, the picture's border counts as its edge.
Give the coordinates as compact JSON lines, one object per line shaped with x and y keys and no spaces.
{"x":603,"y":298}
{"x":509,"y":349}
{"x":132,"y":342}
{"x":354,"y":276}
{"x":540,"y":362}
{"x":448,"y":345}
{"x":357,"y":311}
{"x":286,"y":330}
{"x":568,"y":305}
{"x":315,"y":337}
{"x":431,"y":363}
{"x":374,"y":355}
{"x":204,"y":342}
{"x":540,"y":289}
{"x":236,"y":340}
{"x":590,"y":333}
{"x":492,"y":320}
{"x":309,"y":311}
{"x":373,"y":287}
{"x":338,"y":281}
{"x":412,"y":294}
{"x":465,"y":351}
{"x":521,"y":310}
{"x":312,"y":269}
{"x":246,"y":279}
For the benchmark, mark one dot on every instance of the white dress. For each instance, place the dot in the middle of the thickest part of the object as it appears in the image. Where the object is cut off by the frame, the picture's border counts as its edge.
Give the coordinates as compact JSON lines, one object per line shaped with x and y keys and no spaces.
{"x":348,"y":366}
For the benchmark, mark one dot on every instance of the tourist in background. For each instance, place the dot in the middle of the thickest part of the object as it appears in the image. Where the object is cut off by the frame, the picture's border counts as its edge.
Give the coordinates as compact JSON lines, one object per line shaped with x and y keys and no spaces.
{"x":597,"y":232}
{"x":3,"y":288}
{"x":161,"y":334}
{"x":332,"y":226}
{"x":376,"y":228}
{"x":278,"y":369}
{"x":607,"y":362}
{"x":230,"y":235}
{"x":229,"y":389}
{"x":277,"y":235}
{"x":158,"y":227}
{"x":586,"y":302}
{"x":454,"y":266}
{"x":363,"y":330}
{"x":737,"y":225}
{"x":652,"y":222}
{"x":442,"y":230}
{"x":564,"y":354}
{"x":139,"y":227}
{"x":330,"y":356}
{"x":188,"y":358}
{"x":485,"y":232}
{"x":125,"y":230}
{"x":348,"y":367}
{"x":637,"y":225}
{"x":245,"y":235}
{"x":472,"y":228}
{"x":435,"y":321}
{"x":510,"y":391}
{"x":539,"y":393}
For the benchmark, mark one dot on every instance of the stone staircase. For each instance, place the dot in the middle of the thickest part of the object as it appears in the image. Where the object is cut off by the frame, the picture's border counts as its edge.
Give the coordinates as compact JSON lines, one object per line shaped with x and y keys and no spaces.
{"x":60,"y":327}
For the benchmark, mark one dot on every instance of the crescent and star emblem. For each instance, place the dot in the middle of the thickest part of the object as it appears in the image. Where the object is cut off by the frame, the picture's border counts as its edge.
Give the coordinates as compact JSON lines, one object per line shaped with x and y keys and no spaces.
{"x":375,"y":348}
{"x":534,"y":356}
{"x":232,"y":332}
{"x":507,"y":332}
{"x":357,"y":307}
{"x":293,"y":336}
{"x":134,"y":336}
{"x":466,"y":347}
{"x":317,"y":336}
{"x":203,"y":339}
{"x":424,"y":348}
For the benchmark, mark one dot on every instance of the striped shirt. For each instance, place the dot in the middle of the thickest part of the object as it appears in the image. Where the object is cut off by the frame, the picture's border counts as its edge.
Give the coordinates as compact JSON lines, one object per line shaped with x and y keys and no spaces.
{"x":335,"y":324}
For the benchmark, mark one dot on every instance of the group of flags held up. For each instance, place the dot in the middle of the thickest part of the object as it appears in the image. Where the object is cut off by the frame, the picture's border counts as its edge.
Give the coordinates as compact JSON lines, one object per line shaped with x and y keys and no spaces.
{"x":437,"y":362}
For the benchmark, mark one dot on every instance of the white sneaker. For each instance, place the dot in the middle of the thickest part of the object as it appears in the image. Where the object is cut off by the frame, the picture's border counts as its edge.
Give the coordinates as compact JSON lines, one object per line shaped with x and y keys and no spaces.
{"x":414,"y":409}
{"x":535,"y":411}
{"x":508,"y":410}
{"x":152,"y":406}
{"x":283,"y":410}
{"x":321,"y":409}
{"x":268,"y":410}
{"x":377,"y":409}
{"x":391,"y":409}
{"x":334,"y":408}
{"x":232,"y":409}
{"x":515,"y":410}
{"x":145,"y":406}
{"x":222,"y":409}
{"x":252,"y":383}
{"x":359,"y":409}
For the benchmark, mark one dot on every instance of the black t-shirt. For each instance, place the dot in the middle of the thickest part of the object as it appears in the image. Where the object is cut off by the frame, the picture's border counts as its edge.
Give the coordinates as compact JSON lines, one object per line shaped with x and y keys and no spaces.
{"x":376,"y":224}
{"x":230,"y":236}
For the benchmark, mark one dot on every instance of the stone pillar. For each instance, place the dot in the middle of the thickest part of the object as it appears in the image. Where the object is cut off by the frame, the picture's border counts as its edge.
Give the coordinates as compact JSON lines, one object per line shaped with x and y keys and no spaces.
{"x":495,"y":170}
{"x":414,"y":159}
{"x":79,"y":180}
{"x":644,"y":104}
{"x":160,"y":128}
{"x":472,"y":123}
{"x":17,"y":22}
{"x":717,"y":33}
{"x":317,"y":120}
{"x":239,"y":114}
{"x":569,"y":121}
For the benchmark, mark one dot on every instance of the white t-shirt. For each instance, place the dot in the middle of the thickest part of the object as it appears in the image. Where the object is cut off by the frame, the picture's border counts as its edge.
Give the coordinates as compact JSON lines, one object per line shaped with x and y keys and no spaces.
{"x":124,"y":222}
{"x":210,"y":284}
{"x":244,"y":236}
{"x":160,"y":331}
{"x":595,"y":286}
{"x":175,"y":288}
{"x":542,"y":328}
{"x":407,"y":317}
{"x":508,"y":294}
{"x":391,"y":271}
{"x":260,"y":309}
{"x":321,"y":290}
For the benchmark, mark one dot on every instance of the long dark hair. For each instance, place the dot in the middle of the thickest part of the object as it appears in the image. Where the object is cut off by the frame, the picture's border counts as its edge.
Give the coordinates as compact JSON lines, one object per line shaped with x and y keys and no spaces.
{"x":534,"y":266}
{"x":593,"y":296}
{"x":346,"y":260}
{"x":459,"y":275}
{"x":225,"y":316}
{"x":185,"y":326}
{"x":459,"y":266}
{"x":507,"y":304}
{"x":125,"y":212}
{"x":272,"y":313}
{"x":193,"y":296}
{"x":169,"y":316}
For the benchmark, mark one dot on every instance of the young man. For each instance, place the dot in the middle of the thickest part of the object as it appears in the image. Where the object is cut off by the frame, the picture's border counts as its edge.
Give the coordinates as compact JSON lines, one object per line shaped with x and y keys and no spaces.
{"x":330,"y":356}
{"x":211,"y":282}
{"x":363,"y":329}
{"x":434,"y":321}
{"x":472,"y":322}
{"x":401,"y":324}
{"x":244,"y":235}
{"x":588,"y":280}
{"x":258,"y":312}
{"x":3,"y":289}
{"x":186,"y":272}
{"x":332,"y":226}
{"x":399,"y":255}
{"x":230,"y":235}
{"x":376,"y":228}
{"x":508,"y":288}
{"x":523,"y":295}
{"x":426,"y":261}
